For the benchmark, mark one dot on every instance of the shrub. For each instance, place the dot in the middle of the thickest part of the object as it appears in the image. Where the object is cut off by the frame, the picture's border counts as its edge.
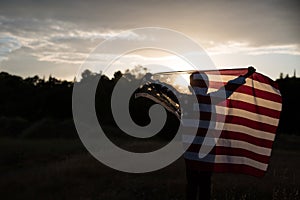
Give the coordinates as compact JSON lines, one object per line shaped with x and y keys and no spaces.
{"x":51,"y":128}
{"x":12,"y":126}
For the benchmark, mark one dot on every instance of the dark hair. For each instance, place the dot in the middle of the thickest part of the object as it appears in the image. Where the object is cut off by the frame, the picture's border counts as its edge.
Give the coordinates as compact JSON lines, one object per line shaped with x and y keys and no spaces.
{"x":199,"y":79}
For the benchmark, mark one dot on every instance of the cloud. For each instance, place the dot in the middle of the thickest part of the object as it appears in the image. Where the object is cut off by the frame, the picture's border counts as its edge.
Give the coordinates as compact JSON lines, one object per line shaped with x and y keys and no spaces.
{"x":52,"y":40}
{"x":232,"y":47}
{"x":24,"y":64}
{"x":62,"y":57}
{"x":259,"y":22}
{"x":8,"y":45}
{"x":59,"y":33}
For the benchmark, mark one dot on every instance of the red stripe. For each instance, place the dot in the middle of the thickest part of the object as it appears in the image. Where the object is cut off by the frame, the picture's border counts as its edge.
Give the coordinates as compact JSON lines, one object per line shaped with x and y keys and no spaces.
{"x":245,"y":105}
{"x":231,"y":72}
{"x":239,"y":104}
{"x":224,"y":167}
{"x":247,"y":138}
{"x":245,"y":89}
{"x":242,"y":71}
{"x":230,"y":119}
{"x":237,"y":72}
{"x":250,"y":123}
{"x":230,"y":151}
{"x":264,"y":79}
{"x":242,"y":153}
{"x":234,"y":136}
{"x":253,"y":108}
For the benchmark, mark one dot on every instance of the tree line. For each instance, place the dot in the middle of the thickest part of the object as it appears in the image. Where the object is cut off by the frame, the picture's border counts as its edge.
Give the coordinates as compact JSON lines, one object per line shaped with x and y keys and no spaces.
{"x":37,"y":108}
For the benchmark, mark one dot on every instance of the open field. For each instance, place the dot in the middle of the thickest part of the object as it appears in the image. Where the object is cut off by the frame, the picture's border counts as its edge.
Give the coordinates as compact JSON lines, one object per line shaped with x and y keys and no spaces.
{"x":63,"y":169}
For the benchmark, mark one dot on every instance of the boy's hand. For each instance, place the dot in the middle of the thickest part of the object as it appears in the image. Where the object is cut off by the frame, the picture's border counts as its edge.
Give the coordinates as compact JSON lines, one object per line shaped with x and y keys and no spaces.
{"x":251,"y":70}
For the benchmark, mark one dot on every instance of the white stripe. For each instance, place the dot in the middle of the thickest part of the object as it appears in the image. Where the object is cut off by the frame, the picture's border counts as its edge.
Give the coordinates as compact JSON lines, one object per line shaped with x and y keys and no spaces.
{"x":249,"y":99}
{"x":211,"y":125}
{"x":256,"y":101}
{"x":241,"y":160}
{"x":227,"y":160}
{"x":230,"y":127}
{"x":249,"y":82}
{"x":252,"y":116}
{"x":239,"y":113}
{"x":189,"y":139}
{"x":249,"y":131}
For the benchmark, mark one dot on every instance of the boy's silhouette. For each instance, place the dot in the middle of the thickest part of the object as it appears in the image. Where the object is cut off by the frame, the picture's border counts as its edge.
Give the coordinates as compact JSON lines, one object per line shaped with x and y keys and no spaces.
{"x":199,"y":180}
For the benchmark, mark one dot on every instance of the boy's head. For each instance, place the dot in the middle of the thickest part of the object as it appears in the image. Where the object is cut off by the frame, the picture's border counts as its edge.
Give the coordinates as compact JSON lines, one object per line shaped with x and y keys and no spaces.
{"x":199,"y":80}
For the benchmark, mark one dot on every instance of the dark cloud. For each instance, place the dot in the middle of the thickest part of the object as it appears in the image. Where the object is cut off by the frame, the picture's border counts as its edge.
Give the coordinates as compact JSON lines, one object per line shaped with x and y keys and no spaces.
{"x":22,"y":63}
{"x":47,"y":32}
{"x":261,"y":22}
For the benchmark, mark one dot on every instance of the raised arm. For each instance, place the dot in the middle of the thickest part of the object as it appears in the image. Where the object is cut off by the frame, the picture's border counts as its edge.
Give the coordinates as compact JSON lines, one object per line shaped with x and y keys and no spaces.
{"x":227,"y":90}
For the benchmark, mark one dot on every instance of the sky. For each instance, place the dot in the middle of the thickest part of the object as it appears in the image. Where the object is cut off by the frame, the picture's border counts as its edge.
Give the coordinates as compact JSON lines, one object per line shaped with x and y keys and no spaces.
{"x":48,"y":37}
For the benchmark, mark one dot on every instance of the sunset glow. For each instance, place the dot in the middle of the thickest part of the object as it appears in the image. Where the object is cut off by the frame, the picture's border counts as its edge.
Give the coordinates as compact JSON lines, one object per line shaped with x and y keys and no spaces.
{"x":43,"y":39}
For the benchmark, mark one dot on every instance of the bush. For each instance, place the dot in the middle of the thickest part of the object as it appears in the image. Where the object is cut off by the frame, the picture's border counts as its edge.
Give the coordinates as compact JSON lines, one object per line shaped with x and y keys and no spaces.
{"x":12,"y":126}
{"x":51,"y":128}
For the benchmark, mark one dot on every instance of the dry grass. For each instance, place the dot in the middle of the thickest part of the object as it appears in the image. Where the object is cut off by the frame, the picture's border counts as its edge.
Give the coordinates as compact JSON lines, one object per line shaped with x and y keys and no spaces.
{"x":62,"y":169}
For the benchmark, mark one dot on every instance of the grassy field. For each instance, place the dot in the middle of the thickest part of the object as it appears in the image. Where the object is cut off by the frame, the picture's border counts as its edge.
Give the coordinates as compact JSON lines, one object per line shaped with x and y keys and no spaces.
{"x":63,"y":169}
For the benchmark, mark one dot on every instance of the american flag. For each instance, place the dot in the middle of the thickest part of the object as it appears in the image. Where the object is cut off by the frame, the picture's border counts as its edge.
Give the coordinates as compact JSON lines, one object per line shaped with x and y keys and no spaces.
{"x":244,"y":125}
